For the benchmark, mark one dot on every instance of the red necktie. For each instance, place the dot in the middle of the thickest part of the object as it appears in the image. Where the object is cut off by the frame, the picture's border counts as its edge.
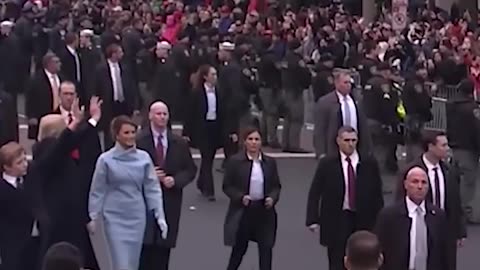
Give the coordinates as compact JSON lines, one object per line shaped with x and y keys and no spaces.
{"x":351,"y":184}
{"x":75,"y":154}
{"x":159,"y":149}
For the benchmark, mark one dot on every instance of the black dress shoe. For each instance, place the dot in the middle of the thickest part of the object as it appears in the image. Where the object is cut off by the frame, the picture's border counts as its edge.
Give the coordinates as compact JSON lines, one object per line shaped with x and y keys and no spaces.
{"x":295,"y":150}
{"x":210,"y":198}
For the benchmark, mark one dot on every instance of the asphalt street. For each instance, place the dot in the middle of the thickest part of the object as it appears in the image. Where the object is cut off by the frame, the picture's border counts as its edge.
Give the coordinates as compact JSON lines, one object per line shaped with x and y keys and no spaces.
{"x":200,"y":242}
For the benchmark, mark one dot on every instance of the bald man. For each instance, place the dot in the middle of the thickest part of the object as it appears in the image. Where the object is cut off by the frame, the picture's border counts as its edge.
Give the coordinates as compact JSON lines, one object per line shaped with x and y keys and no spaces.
{"x":402,"y":229}
{"x":175,"y":170}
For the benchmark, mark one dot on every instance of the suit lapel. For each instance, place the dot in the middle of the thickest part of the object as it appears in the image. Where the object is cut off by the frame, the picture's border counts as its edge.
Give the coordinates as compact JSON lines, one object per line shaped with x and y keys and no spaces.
{"x":338,"y":169}
{"x":246,"y":171}
{"x":265,"y":165}
{"x":336,"y":116}
{"x":149,"y":143}
{"x":446,"y":177}
{"x":358,"y":176}
{"x":110,"y":80}
{"x":7,"y":185}
{"x":48,"y":86}
{"x":168,"y":155}
{"x":404,"y":225}
{"x":430,"y":222}
{"x":204,"y":103}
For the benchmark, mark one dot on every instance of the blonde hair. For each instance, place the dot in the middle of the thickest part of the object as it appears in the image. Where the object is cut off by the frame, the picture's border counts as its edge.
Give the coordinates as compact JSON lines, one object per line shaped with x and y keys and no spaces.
{"x":9,"y":152}
{"x":51,"y":125}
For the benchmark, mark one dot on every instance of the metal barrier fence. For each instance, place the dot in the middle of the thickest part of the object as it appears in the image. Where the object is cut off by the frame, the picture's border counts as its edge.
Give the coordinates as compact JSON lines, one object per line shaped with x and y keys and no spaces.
{"x":440,"y":95}
{"x":439,"y":112}
{"x":442,"y":91}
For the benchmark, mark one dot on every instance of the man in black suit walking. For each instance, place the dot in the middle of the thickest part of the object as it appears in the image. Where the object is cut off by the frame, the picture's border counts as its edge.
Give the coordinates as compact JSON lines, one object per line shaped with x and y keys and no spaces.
{"x":115,"y":85}
{"x":76,"y":174}
{"x":443,"y":188}
{"x":175,"y":170}
{"x":350,"y":188}
{"x":413,"y":232}
{"x":42,"y":94}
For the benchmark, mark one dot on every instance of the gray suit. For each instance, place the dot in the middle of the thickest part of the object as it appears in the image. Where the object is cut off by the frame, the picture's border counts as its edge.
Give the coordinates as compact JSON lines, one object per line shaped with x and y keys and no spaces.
{"x":328,"y":119}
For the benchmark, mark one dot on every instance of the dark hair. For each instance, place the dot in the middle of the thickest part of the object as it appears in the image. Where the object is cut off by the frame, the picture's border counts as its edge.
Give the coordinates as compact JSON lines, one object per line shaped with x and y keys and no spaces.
{"x":9,"y":152}
{"x":70,"y":83}
{"x":363,"y":250}
{"x":249,"y":130}
{"x":430,"y":137}
{"x":111,"y":49}
{"x":70,"y":37}
{"x":63,"y":256}
{"x":118,"y":122}
{"x":47,"y":58}
{"x":201,"y":74}
{"x":345,"y":129}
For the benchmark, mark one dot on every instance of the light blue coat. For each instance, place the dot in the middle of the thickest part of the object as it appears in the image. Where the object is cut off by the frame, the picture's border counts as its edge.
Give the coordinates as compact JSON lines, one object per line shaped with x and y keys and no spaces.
{"x":123,"y":185}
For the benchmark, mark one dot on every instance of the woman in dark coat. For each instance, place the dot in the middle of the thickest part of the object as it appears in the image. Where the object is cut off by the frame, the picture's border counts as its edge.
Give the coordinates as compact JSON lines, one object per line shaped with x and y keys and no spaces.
{"x":252,"y":183}
{"x":204,"y":126}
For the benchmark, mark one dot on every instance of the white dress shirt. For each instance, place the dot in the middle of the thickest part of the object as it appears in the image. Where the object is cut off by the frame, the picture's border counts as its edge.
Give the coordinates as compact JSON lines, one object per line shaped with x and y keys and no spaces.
{"x":431,"y":178}
{"x":164,"y":140}
{"x":348,"y":101}
{"x":211,"y":103}
{"x":115,"y":74}
{"x":54,"y":81}
{"x":354,"y":159}
{"x":412,"y":213}
{"x":256,"y":191}
{"x":12,"y":180}
{"x":77,"y":62}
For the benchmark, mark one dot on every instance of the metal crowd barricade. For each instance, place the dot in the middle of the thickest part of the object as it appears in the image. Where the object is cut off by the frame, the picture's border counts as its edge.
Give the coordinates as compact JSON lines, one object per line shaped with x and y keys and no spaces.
{"x":442,"y":91}
{"x":439,"y":111}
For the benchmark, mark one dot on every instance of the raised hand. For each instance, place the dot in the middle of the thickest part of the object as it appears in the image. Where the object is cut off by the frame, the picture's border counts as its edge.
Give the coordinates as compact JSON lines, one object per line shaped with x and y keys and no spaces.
{"x":95,"y":109}
{"x":78,"y":114}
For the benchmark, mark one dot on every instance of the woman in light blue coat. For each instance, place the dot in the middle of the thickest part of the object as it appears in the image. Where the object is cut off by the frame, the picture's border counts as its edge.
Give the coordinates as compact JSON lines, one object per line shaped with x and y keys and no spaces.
{"x":124,"y":185}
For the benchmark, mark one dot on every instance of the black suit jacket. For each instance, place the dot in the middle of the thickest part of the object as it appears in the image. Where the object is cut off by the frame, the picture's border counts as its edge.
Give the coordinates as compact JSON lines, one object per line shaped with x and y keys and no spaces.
{"x":76,"y":177}
{"x":58,"y":190}
{"x":16,"y":223}
{"x":179,"y":164}
{"x":104,"y":89}
{"x":19,"y":208}
{"x":39,"y":100}
{"x":8,"y":119}
{"x":69,"y":67}
{"x":56,"y":39}
{"x":236,"y":184}
{"x":393,"y":231}
{"x":231,"y":85}
{"x":453,"y":207}
{"x":196,"y":123}
{"x":328,"y":185}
